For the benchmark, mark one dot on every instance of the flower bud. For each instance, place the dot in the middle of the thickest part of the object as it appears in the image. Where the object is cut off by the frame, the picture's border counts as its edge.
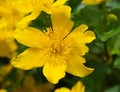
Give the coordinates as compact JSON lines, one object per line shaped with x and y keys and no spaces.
{"x":112,"y":18}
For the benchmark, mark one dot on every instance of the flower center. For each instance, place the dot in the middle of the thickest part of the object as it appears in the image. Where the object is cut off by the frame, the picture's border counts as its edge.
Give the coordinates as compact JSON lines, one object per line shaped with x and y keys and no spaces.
{"x":56,"y":48}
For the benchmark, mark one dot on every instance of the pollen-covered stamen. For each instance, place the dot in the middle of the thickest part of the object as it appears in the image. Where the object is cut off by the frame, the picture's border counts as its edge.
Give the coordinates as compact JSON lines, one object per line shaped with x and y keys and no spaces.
{"x":59,"y":48}
{"x":56,"y":47}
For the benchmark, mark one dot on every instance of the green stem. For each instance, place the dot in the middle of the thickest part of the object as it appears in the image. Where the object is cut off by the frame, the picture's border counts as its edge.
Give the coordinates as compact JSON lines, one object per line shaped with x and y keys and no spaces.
{"x":104,"y":9}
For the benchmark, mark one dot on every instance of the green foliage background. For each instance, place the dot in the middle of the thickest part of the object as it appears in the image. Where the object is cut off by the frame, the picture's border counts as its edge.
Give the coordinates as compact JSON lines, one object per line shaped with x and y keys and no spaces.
{"x":104,"y":54}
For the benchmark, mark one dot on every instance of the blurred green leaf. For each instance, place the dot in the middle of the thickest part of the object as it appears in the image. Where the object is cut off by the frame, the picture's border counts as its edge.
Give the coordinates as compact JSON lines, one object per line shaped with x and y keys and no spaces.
{"x":42,"y":21}
{"x":114,"y":89}
{"x":105,"y":36}
{"x":73,"y":3}
{"x":94,"y":82}
{"x":114,"y":44}
{"x":117,"y":63}
{"x":113,"y":4}
{"x":91,"y":16}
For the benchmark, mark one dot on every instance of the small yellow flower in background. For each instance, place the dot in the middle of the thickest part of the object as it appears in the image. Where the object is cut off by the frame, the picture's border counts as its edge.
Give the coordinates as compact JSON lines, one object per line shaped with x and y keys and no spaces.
{"x":78,"y":87}
{"x":8,"y":20}
{"x":29,"y":85}
{"x":34,"y":7}
{"x":4,"y":70}
{"x":92,"y":2}
{"x":8,"y":46}
{"x":11,"y":16}
{"x":57,"y":49}
{"x":3,"y":90}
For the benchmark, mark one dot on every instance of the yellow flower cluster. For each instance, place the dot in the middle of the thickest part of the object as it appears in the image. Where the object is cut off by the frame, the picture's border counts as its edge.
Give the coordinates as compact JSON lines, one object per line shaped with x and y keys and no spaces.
{"x":33,"y":8}
{"x":9,"y":16}
{"x":57,"y":49}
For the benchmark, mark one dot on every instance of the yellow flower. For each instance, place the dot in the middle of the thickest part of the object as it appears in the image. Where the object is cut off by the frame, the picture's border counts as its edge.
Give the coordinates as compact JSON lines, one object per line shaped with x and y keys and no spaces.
{"x":92,"y":2}
{"x":34,"y":7}
{"x":57,"y":49}
{"x":30,"y":85}
{"x":78,"y":87}
{"x":8,"y":46}
{"x":10,"y":17}
{"x":4,"y":70}
{"x":3,"y":90}
{"x":8,"y":20}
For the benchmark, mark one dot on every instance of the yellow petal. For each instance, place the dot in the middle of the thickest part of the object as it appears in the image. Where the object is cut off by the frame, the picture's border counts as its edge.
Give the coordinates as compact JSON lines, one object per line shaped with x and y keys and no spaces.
{"x":75,"y":55}
{"x":92,"y":2}
{"x":77,"y":68}
{"x":58,"y":3}
{"x":63,"y":89}
{"x":54,"y":69}
{"x":61,"y":21}
{"x":24,"y":22}
{"x":79,"y":38}
{"x":30,"y":37}
{"x":49,"y":5}
{"x":30,"y":58}
{"x":23,"y":5}
{"x":78,"y":87}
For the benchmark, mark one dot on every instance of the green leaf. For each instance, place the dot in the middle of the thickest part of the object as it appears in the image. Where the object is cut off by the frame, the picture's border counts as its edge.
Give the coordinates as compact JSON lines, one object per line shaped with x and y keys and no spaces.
{"x":114,"y":44}
{"x":91,"y":16}
{"x":117,"y":63}
{"x":113,"y":4}
{"x":114,"y":89}
{"x":73,"y":3}
{"x":105,"y":36}
{"x":94,"y":82}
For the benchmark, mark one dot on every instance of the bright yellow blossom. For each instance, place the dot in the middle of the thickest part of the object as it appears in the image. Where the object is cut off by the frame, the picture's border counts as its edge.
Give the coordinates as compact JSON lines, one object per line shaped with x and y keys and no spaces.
{"x":78,"y":87}
{"x":57,"y":49}
{"x":8,"y":19}
{"x":92,"y":2}
{"x":34,"y":7}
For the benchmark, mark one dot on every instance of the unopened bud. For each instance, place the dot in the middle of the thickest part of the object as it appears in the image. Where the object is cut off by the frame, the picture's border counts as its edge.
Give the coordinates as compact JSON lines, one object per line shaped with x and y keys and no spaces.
{"x":112,"y":18}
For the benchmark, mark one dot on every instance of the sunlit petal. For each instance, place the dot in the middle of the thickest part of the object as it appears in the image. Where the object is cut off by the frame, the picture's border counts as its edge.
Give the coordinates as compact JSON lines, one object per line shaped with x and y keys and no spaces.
{"x":77,"y":68}
{"x":61,"y":21}
{"x":30,"y":58}
{"x":92,"y":2}
{"x":80,"y":38}
{"x":78,"y":87}
{"x":63,"y":89}
{"x":31,"y":37}
{"x":54,"y":69}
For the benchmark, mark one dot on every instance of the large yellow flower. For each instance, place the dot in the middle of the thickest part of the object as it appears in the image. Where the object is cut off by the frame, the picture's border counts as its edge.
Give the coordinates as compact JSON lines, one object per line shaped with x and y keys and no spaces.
{"x":57,"y":49}
{"x":78,"y":87}
{"x":34,"y":7}
{"x":8,"y":19}
{"x":92,"y":2}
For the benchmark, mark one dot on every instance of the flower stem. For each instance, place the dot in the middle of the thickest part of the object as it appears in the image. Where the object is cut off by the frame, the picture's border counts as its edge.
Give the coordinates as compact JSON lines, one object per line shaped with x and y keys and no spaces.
{"x":104,"y":9}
